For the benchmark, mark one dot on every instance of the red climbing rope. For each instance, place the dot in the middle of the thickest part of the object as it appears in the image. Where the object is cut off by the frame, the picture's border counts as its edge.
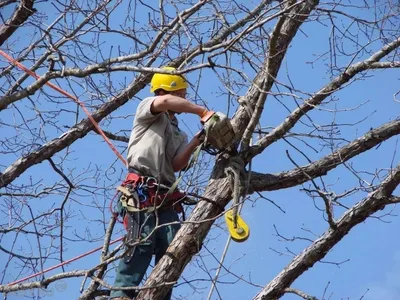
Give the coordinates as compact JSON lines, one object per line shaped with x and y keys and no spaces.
{"x":96,"y":125}
{"x":58,"y":89}
{"x":63,"y":263}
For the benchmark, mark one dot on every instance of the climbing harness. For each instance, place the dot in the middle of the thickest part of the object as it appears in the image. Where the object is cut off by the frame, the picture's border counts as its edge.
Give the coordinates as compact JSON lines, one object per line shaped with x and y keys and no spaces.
{"x":142,"y":194}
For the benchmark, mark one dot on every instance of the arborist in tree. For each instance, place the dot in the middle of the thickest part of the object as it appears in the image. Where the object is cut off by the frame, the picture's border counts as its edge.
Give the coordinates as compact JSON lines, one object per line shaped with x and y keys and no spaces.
{"x":157,"y":149}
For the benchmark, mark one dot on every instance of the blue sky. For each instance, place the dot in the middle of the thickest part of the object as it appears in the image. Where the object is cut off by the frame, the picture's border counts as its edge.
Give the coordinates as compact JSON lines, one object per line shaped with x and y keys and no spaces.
{"x":371,"y":248}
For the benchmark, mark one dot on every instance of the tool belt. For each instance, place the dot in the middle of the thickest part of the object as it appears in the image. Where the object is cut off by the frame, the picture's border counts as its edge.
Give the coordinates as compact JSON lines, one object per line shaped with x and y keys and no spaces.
{"x":142,"y":193}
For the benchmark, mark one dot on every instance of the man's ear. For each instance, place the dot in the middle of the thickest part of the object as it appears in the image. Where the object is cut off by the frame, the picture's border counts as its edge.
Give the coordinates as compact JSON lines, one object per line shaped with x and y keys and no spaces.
{"x":160,"y":93}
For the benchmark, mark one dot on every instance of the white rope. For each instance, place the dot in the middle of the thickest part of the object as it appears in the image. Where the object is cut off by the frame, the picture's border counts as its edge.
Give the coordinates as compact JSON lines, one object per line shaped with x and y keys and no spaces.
{"x":235,"y":167}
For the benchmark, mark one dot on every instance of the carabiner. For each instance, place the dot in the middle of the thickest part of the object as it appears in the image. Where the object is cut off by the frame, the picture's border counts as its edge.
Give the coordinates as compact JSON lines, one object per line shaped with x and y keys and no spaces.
{"x":151,"y":182}
{"x":141,"y":194}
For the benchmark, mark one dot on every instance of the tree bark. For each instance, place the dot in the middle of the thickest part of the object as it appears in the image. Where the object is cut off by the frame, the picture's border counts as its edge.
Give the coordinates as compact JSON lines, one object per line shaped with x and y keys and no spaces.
{"x":21,"y":14}
{"x":188,"y":240}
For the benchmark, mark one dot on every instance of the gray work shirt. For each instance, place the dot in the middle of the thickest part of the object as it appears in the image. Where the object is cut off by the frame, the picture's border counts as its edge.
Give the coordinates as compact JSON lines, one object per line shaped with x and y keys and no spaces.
{"x":155,"y":140}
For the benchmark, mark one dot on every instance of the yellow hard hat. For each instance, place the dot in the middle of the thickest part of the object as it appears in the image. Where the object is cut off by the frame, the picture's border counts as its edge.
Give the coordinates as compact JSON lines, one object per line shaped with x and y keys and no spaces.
{"x":167,"y":82}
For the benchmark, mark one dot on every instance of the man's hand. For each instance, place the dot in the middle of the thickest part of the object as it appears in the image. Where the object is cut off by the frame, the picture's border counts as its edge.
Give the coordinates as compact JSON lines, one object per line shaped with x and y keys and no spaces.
{"x":200,"y":136}
{"x":180,"y":161}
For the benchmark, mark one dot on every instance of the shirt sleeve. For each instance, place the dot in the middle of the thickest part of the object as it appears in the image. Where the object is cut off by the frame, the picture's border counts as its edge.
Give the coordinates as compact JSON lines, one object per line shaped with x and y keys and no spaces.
{"x":143,"y":112}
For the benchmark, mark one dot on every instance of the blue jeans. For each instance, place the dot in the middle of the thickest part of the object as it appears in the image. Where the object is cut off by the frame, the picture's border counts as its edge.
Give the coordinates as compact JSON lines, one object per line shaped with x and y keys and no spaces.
{"x":132,"y":273}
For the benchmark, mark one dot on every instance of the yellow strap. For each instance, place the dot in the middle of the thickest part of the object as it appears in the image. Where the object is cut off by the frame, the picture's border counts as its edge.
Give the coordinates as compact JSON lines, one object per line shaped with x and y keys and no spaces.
{"x":124,"y":191}
{"x":134,"y":209}
{"x":241,"y":232}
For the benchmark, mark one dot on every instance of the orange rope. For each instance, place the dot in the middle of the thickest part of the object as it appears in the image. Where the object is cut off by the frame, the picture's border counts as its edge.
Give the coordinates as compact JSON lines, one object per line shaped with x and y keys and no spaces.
{"x":58,"y":89}
{"x":63,"y":263}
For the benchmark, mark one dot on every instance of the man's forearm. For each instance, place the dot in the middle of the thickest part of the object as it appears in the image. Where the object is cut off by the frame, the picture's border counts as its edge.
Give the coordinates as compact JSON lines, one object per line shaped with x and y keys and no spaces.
{"x":181,"y":160}
{"x":176,"y":104}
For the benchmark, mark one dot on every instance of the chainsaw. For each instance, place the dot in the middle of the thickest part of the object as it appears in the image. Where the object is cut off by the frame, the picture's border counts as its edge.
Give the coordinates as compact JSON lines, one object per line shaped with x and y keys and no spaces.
{"x":218,"y":132}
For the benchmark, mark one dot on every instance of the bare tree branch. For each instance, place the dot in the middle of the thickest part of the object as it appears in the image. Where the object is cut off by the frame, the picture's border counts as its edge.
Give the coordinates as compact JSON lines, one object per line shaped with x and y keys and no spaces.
{"x":21,"y":14}
{"x":268,"y":182}
{"x":375,"y":201}
{"x":328,"y":203}
{"x":89,"y":292}
{"x":6,"y":2}
{"x":284,"y":32}
{"x":300,"y":294}
{"x":115,"y":137}
{"x":188,"y":240}
{"x":315,"y":100}
{"x":232,"y":53}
